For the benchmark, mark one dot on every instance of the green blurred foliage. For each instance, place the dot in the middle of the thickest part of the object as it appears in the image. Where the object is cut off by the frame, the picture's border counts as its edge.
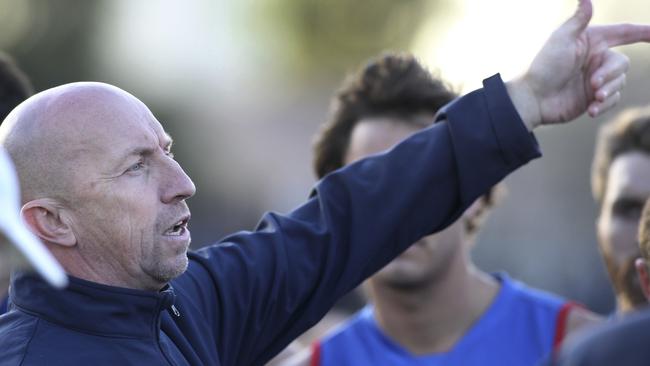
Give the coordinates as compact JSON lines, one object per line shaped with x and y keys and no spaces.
{"x":327,"y":36}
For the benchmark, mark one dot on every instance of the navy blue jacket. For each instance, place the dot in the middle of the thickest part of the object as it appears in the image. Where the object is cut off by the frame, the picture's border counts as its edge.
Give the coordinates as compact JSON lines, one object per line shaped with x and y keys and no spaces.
{"x":620,"y":341}
{"x":244,"y":299}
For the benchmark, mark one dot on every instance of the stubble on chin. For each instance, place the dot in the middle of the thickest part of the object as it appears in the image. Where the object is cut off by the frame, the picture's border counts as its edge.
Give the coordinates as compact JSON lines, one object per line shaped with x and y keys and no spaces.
{"x":163,"y":270}
{"x":625,"y":281}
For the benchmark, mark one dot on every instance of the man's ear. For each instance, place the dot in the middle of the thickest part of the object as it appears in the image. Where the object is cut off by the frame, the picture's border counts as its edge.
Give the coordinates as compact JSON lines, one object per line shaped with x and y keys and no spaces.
{"x":44,"y":218}
{"x":644,"y":276}
{"x":473,"y":217}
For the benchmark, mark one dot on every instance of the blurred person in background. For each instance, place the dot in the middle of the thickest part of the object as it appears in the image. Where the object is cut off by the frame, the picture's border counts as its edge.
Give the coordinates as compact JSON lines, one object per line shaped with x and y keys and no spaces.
{"x":14,"y":88}
{"x":19,"y":248}
{"x":621,"y":185}
{"x":623,"y":340}
{"x":430,"y":305}
{"x":101,"y":189}
{"x":643,"y":262}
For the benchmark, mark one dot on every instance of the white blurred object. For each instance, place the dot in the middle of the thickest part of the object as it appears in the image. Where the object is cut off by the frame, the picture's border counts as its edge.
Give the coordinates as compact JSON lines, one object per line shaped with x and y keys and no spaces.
{"x":14,"y":229}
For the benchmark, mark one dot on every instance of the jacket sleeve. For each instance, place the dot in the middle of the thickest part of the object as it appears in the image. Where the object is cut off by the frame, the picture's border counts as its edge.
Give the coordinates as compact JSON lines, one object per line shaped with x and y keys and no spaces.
{"x":259,"y":290}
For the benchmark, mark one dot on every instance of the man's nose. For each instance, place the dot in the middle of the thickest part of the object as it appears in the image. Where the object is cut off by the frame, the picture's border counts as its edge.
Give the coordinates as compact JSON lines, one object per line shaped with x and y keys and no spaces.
{"x":179,"y":186}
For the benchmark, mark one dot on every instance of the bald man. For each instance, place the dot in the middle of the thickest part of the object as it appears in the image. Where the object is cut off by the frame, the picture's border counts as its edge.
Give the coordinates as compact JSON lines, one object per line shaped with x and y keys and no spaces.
{"x":104,"y":173}
{"x":102,"y":190}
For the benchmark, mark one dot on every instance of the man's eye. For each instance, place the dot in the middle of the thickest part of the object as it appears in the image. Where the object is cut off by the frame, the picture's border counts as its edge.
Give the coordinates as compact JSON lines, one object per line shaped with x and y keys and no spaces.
{"x":628,"y":209}
{"x":136,"y":167}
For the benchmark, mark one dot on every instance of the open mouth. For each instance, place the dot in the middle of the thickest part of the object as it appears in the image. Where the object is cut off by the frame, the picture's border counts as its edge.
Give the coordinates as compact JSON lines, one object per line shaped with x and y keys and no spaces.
{"x":178,"y":228}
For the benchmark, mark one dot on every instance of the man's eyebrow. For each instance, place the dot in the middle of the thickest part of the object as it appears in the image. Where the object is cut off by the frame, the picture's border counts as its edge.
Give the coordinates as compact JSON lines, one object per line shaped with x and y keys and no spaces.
{"x":138,"y":151}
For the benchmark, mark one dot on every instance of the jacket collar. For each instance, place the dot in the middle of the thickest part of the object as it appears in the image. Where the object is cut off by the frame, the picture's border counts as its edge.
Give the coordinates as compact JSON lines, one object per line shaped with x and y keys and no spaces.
{"x":92,"y":307}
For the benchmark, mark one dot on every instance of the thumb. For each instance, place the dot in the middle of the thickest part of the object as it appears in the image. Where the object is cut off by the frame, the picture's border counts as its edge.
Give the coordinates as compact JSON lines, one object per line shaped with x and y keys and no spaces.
{"x":580,"y":19}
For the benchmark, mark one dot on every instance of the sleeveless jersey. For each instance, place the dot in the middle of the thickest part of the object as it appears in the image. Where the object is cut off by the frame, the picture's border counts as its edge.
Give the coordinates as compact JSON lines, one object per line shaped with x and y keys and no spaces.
{"x":520,"y":327}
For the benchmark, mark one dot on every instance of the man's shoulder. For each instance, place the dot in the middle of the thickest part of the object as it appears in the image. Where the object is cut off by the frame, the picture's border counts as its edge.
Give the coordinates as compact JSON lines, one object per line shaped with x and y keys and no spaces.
{"x":533,"y":297}
{"x":16,"y":331}
{"x":27,"y":340}
{"x":564,"y":315}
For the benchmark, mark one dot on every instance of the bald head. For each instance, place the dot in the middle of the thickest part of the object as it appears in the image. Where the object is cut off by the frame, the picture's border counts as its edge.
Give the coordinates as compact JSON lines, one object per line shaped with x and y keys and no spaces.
{"x":100,"y":185}
{"x":49,"y":134}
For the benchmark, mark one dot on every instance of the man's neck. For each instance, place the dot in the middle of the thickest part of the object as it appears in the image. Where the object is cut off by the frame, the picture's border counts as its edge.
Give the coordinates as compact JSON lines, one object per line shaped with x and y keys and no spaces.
{"x":103,"y":272}
{"x":433,"y":319}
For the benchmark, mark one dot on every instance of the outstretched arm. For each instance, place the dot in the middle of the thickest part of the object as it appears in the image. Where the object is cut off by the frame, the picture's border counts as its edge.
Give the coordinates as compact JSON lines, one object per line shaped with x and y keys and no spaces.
{"x":575,"y":71}
{"x":259,"y":290}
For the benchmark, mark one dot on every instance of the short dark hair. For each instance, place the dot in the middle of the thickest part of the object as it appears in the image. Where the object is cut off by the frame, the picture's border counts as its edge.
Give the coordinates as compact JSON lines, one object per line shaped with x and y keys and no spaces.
{"x":15,"y":87}
{"x":628,"y":131}
{"x":393,"y":85}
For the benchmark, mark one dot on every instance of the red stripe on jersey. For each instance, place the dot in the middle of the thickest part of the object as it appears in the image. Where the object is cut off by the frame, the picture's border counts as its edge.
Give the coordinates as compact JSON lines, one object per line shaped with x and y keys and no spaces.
{"x":561,"y":322}
{"x":315,"y":354}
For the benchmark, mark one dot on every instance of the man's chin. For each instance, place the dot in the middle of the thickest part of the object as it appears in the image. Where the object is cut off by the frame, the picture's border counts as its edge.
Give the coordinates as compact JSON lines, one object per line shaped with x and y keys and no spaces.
{"x":170,"y":270}
{"x":180,"y":267}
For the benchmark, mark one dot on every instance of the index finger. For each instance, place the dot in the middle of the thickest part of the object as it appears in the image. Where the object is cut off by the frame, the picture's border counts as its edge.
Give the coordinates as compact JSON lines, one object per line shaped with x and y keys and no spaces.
{"x":622,"y":34}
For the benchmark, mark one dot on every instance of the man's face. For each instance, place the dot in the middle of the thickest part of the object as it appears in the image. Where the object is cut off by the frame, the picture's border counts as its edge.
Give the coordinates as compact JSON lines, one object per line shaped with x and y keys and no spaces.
{"x":428,"y":258}
{"x":628,"y":187}
{"x":127,"y":203}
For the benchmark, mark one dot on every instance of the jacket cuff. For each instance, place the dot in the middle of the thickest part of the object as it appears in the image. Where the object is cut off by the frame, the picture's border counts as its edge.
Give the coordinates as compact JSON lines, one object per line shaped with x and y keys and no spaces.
{"x":516,"y":144}
{"x":508,"y":126}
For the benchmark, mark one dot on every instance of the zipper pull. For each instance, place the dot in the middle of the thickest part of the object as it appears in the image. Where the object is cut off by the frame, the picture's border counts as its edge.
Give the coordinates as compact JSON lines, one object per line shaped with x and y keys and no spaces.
{"x":175,"y":311}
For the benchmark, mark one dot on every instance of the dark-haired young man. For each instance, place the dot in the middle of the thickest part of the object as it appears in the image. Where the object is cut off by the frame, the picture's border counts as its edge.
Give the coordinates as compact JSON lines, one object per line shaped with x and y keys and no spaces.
{"x":430,"y":305}
{"x":621,"y":185}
